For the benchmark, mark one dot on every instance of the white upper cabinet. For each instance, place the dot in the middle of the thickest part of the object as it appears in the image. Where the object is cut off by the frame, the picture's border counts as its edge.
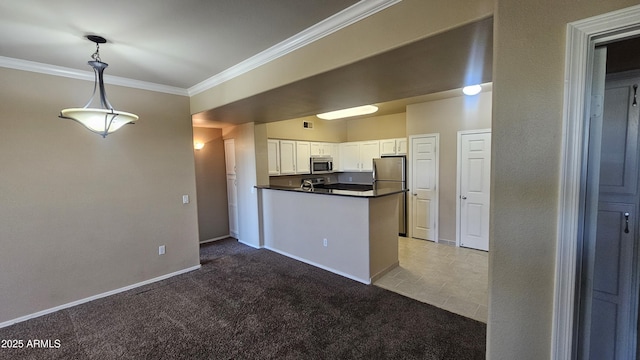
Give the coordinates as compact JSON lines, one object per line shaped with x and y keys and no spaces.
{"x":369,"y":150}
{"x":287,"y":157}
{"x":230,"y":156}
{"x":388,"y":147}
{"x":401,"y":146}
{"x":358,"y":156}
{"x":321,"y":149}
{"x":393,"y":146}
{"x":350,"y":156}
{"x":273,"y":150}
{"x":303,"y":155}
{"x":335,"y":153}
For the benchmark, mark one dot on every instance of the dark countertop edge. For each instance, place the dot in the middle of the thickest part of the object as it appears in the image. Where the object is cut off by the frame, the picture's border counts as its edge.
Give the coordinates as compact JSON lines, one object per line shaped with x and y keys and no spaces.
{"x":348,"y":193}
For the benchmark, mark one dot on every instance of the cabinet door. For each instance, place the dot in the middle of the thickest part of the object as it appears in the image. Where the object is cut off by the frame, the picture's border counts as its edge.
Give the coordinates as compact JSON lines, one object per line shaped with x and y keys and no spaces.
{"x":388,"y":147}
{"x":303,"y":153}
{"x":273,"y":149}
{"x":350,"y":156}
{"x":230,"y":156}
{"x":335,"y":154}
{"x":401,"y":146}
{"x":232,"y":201}
{"x":316,"y":149}
{"x":287,"y":157}
{"x":326,"y":149}
{"x":369,"y":150}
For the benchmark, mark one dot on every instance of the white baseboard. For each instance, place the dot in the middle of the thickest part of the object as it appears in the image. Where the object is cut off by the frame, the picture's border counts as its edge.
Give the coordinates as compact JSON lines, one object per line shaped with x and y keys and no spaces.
{"x":364,"y":281}
{"x":215,"y":239}
{"x":95,"y":297}
{"x":248,"y":244}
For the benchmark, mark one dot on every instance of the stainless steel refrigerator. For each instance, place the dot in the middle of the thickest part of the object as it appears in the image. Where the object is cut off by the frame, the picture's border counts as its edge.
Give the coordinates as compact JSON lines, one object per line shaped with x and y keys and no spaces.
{"x":390,"y":172}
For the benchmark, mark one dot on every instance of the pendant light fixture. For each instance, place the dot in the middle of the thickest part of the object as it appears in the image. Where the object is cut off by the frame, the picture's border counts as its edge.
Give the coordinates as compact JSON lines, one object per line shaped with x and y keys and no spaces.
{"x":106,"y":119}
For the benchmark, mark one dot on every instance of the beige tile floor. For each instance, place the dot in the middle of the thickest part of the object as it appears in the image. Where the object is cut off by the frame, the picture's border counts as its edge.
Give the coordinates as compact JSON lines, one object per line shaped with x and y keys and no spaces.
{"x":449,"y":277}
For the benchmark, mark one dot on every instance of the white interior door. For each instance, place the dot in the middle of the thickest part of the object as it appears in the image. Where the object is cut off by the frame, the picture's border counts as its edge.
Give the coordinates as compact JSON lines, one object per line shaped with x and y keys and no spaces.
{"x":474,"y":170}
{"x":424,"y":186}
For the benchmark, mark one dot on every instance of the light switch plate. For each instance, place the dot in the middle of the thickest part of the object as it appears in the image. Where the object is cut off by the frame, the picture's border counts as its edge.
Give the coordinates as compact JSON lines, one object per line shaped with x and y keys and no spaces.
{"x":185,"y":199}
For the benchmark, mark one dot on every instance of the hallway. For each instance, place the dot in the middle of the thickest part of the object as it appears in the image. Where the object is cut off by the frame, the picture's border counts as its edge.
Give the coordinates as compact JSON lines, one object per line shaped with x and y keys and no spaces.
{"x":451,"y":278}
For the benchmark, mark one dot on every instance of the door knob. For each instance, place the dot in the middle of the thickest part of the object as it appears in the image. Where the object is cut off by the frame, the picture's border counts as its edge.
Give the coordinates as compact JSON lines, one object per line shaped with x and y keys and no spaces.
{"x":463,"y":197}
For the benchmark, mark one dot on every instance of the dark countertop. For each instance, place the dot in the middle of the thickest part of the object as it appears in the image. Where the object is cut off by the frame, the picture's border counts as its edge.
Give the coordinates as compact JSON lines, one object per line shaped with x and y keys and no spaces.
{"x":325,"y":191}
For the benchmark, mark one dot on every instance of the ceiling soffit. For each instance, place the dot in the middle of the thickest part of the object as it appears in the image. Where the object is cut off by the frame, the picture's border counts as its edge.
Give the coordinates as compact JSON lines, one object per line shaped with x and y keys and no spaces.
{"x":449,"y":60}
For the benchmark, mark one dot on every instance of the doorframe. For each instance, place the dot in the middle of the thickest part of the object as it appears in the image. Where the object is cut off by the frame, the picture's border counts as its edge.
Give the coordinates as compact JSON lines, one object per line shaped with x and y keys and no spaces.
{"x":582,"y":36}
{"x":458,"y":172}
{"x":436,"y":232}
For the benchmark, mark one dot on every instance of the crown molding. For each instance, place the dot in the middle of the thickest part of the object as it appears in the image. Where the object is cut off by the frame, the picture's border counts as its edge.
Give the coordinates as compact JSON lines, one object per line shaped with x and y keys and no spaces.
{"x":54,"y":70}
{"x":348,"y":16}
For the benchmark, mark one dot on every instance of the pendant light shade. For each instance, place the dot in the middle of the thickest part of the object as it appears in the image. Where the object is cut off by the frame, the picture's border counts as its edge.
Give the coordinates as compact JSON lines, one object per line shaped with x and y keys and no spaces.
{"x":106,"y":119}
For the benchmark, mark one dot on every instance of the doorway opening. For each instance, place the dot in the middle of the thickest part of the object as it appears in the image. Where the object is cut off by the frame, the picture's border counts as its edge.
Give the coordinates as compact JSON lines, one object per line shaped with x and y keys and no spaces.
{"x":607,"y":306}
{"x":586,"y":217}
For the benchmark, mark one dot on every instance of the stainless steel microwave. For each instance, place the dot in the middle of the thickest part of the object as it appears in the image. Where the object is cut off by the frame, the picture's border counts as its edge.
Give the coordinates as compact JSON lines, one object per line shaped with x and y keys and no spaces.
{"x":321,"y":164}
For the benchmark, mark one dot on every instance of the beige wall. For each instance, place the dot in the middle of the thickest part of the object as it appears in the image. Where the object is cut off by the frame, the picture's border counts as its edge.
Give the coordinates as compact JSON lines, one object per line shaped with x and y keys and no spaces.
{"x":529,"y":60}
{"x":446,"y":117}
{"x":211,"y":184}
{"x":81,"y":215}
{"x":377,"y":127}
{"x":323,"y":130}
{"x":529,"y":53}
{"x":409,"y":20}
{"x":344,"y":130}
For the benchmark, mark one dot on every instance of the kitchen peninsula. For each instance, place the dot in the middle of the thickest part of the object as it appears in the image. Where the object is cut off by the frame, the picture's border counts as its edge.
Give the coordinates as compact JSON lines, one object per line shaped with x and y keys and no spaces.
{"x":351,"y":233}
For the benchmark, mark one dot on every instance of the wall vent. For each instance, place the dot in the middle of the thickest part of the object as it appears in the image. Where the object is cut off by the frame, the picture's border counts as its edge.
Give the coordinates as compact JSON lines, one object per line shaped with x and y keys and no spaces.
{"x":307,"y":124}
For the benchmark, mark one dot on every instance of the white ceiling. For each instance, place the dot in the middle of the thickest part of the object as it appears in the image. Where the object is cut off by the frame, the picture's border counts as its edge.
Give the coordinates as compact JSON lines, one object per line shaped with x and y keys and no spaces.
{"x":173,"y":43}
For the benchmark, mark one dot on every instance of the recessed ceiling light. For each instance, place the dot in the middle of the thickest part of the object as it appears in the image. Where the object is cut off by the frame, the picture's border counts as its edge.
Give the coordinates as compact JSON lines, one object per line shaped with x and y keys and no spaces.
{"x":472,"y":90}
{"x":354,"y":111}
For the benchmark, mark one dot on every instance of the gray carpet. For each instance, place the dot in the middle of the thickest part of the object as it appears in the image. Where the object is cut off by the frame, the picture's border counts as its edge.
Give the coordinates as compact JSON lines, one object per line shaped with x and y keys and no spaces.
{"x":252,"y":304}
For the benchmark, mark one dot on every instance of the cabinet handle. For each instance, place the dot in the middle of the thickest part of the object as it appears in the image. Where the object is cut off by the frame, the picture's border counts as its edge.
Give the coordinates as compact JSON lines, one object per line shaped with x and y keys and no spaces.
{"x":626,"y":223}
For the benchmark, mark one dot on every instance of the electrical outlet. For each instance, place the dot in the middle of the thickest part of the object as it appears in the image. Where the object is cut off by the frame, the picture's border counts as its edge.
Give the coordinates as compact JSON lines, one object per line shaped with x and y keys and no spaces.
{"x":161,"y":250}
{"x":350,"y":179}
{"x":324,"y":242}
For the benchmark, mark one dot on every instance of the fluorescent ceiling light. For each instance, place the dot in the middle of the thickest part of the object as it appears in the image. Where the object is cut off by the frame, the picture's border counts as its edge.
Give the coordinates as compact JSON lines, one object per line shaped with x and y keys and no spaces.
{"x":354,"y":111}
{"x":472,"y":90}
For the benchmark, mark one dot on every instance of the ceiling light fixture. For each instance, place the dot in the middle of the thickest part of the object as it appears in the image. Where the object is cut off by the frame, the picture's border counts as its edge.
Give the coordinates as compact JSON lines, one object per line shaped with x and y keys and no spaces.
{"x":471,"y":90}
{"x":104,"y":120}
{"x":354,"y":111}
